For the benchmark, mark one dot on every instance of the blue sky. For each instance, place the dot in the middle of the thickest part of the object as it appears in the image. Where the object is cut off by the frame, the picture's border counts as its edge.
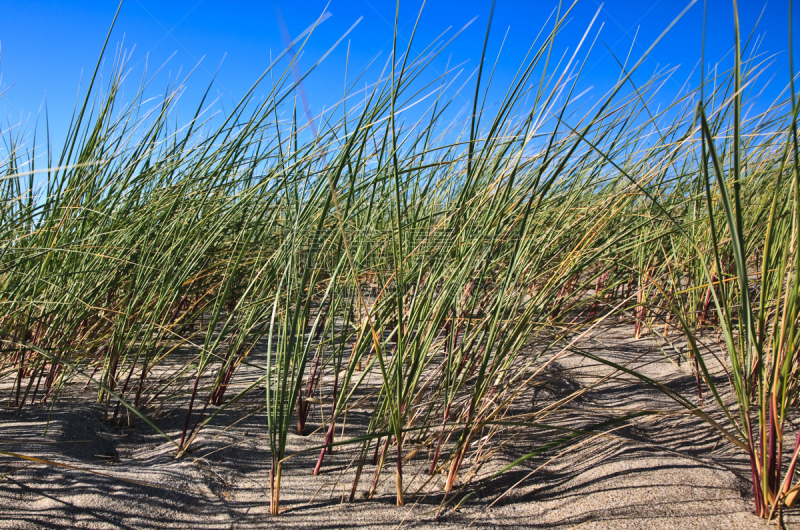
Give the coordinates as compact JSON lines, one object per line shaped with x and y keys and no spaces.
{"x":49,"y":47}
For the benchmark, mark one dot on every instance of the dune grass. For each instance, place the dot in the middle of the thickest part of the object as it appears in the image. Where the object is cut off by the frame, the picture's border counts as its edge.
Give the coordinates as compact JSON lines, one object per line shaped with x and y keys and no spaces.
{"x":395,"y":245}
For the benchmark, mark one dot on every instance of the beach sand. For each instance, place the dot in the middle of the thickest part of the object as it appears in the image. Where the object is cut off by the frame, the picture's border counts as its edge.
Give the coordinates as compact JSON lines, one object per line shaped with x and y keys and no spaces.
{"x":664,"y":471}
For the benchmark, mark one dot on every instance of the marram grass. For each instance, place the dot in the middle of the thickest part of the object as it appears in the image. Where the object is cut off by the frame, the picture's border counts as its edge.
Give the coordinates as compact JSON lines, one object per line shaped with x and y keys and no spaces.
{"x":412,"y":249}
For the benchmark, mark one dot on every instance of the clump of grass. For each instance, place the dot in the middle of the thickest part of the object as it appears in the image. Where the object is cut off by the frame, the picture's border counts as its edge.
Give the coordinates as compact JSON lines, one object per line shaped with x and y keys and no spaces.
{"x":425,"y":255}
{"x":731,"y":248}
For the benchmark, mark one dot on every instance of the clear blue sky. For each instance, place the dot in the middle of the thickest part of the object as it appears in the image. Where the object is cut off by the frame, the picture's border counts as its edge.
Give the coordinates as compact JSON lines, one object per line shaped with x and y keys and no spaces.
{"x":49,"y":46}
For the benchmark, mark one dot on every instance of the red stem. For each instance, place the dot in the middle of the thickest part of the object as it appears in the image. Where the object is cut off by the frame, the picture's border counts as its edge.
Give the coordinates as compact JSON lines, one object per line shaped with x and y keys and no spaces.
{"x":189,"y":412}
{"x":439,"y":443}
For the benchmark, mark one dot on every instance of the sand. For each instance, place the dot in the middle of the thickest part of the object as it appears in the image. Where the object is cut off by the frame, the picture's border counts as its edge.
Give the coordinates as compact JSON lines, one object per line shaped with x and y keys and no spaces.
{"x":670,"y":471}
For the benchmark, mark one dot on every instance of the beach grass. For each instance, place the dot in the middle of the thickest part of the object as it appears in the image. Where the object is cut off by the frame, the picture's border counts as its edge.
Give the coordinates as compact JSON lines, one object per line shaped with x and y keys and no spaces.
{"x":452,"y":260}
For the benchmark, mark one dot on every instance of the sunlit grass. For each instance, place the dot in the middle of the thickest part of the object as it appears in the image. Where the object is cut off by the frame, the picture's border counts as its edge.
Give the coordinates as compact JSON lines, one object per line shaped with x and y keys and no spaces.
{"x":426,"y":255}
